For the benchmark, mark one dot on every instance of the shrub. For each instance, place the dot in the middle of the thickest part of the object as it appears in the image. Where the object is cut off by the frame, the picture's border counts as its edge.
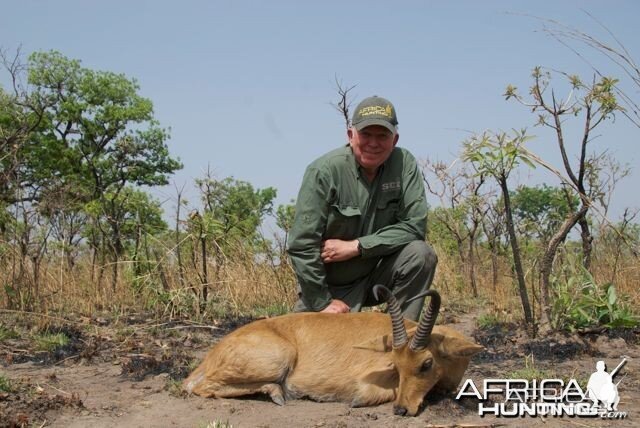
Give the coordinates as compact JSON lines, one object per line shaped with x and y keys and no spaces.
{"x":580,"y":302}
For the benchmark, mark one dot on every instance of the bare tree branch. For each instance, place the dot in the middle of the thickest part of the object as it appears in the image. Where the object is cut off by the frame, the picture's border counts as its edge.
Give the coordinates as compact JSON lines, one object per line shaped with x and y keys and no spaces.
{"x":344,"y":104}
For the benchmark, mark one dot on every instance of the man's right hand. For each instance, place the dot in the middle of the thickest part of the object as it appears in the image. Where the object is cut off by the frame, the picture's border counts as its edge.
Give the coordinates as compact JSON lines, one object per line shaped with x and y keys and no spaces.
{"x":336,"y":307}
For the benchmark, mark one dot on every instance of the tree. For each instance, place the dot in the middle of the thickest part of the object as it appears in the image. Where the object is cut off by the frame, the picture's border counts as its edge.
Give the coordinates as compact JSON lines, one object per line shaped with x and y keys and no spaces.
{"x":232,"y":213}
{"x":497,"y":155}
{"x":594,"y":103}
{"x":122,"y":224}
{"x":540,"y":210}
{"x":21,"y":114}
{"x":236,"y":209}
{"x":284,"y":220}
{"x":462,"y":210}
{"x":73,"y":144}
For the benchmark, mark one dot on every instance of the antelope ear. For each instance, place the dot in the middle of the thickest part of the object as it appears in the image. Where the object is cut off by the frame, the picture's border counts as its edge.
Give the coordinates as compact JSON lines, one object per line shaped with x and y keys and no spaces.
{"x":379,"y":344}
{"x":458,"y":347}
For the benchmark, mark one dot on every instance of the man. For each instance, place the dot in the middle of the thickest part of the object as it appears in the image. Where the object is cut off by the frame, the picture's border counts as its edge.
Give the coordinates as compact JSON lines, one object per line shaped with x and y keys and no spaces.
{"x":360,"y":220}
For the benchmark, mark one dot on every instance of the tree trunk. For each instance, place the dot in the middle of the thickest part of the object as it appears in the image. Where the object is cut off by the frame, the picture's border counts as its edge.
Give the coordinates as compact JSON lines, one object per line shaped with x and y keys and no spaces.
{"x":494,"y":264}
{"x":517,"y":262}
{"x":205,"y":276}
{"x":546,"y":264}
{"x":114,"y":273}
{"x":587,"y":241}
{"x":178,"y":250}
{"x":472,"y":270}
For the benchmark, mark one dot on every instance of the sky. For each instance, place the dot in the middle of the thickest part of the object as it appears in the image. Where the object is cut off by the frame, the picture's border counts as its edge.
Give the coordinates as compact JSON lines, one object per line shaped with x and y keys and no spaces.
{"x":246,"y":86}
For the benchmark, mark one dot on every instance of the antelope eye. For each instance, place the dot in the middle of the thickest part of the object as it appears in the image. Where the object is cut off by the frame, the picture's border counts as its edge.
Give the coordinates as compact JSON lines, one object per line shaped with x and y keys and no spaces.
{"x":426,"y":365}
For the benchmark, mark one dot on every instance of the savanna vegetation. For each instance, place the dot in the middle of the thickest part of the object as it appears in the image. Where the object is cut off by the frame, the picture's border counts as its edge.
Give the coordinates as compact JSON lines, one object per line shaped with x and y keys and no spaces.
{"x":80,"y":232}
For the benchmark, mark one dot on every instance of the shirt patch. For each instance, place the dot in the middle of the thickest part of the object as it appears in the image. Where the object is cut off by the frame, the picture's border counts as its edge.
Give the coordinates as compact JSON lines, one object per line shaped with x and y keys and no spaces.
{"x":393,"y":185}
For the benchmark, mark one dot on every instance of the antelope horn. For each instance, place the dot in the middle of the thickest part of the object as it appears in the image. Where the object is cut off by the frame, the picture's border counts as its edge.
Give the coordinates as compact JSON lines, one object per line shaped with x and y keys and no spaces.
{"x":397,"y":323}
{"x":423,"y":332}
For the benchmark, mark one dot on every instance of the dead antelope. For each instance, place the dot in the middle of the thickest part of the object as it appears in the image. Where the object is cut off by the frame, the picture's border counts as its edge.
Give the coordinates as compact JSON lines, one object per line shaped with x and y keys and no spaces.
{"x":358,"y":358}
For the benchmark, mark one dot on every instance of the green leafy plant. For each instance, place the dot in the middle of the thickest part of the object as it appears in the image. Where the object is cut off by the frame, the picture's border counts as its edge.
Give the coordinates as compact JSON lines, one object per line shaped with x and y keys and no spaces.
{"x":50,"y":341}
{"x":7,"y":333}
{"x":580,"y":302}
{"x":5,"y":384}
{"x":489,"y":320}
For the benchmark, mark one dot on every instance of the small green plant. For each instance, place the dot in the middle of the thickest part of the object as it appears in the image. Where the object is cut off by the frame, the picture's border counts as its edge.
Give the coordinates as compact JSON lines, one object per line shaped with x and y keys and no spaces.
{"x":49,"y":342}
{"x":530,"y":371}
{"x":124,"y":333}
{"x":489,"y":320}
{"x":174,"y":387}
{"x":7,"y":333}
{"x":271,"y":310}
{"x":580,"y":302}
{"x":5,"y":384}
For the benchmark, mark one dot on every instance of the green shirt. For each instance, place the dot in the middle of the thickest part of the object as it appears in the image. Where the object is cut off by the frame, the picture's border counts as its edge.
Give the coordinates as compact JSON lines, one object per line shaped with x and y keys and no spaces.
{"x":336,"y":201}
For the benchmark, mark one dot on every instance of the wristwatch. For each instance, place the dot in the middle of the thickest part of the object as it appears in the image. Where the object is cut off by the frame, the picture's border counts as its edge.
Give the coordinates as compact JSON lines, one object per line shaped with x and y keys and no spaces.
{"x":359,"y":248}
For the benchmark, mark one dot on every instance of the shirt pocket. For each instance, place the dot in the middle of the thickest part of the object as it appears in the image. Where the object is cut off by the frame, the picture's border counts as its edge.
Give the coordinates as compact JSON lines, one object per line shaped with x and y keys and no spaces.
{"x":386,"y":213}
{"x":343,"y":222}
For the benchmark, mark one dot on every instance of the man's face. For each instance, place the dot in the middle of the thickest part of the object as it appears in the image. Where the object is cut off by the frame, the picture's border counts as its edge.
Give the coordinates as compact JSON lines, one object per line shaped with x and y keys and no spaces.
{"x":372,"y":146}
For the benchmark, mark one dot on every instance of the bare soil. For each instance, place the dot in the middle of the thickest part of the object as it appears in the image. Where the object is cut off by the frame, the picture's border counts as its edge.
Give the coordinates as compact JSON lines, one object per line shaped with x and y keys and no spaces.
{"x":126,"y":372}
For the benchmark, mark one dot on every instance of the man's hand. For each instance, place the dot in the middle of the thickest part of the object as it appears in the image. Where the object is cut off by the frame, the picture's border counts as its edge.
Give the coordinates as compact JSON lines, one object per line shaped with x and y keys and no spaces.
{"x":336,"y":307}
{"x":337,"y":250}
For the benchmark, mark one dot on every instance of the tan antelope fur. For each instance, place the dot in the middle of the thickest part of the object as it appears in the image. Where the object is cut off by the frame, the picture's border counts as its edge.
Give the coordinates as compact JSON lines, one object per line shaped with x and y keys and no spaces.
{"x":355,"y":358}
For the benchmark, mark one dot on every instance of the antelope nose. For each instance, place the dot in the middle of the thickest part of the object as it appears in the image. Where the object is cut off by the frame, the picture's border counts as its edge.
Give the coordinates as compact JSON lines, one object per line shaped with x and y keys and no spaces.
{"x":399,"y":410}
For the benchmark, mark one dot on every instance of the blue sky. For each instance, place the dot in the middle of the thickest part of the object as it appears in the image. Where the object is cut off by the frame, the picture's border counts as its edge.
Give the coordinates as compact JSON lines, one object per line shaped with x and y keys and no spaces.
{"x":246,"y":86}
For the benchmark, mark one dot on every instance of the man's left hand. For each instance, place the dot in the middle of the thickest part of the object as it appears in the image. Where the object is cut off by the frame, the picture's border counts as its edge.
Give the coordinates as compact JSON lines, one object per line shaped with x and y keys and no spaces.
{"x":337,"y":250}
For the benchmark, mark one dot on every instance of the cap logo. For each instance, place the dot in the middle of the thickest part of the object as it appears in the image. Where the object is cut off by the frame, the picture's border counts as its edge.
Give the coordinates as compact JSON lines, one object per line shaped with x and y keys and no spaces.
{"x":376,"y":110}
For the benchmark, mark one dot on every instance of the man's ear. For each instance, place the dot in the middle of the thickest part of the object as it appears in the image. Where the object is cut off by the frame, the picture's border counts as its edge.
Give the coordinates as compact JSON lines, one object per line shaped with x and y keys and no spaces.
{"x":395,"y":139}
{"x":350,"y":132}
{"x":379,"y":344}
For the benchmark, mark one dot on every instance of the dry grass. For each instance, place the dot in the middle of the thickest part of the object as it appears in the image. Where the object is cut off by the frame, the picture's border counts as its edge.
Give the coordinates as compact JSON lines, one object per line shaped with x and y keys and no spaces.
{"x":244,"y":283}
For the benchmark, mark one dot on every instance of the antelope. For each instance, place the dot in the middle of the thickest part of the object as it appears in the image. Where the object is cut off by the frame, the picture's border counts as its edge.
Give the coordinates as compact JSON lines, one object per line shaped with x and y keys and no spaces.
{"x":357,"y":358}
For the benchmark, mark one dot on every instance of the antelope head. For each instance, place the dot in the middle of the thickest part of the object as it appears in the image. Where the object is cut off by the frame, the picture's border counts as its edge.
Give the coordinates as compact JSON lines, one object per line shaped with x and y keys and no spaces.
{"x":425,"y":360}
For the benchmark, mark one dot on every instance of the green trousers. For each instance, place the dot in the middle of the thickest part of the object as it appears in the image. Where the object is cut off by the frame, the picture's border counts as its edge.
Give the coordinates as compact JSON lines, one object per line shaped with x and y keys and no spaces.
{"x":407,"y":273}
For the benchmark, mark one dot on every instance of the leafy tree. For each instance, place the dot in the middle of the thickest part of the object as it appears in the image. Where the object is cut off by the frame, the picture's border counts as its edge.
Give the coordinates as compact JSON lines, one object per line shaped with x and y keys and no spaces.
{"x":284,"y":220}
{"x":540,"y":210}
{"x":232,"y":213}
{"x":72,"y":144}
{"x":464,"y":205}
{"x":99,"y":131}
{"x":122,"y":224}
{"x":497,"y":155}
{"x":235,"y":208}
{"x":593,"y":104}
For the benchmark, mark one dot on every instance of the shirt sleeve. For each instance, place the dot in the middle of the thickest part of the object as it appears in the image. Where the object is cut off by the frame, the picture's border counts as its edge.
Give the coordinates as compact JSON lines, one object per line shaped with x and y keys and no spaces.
{"x":412,"y":216}
{"x":305,"y":238}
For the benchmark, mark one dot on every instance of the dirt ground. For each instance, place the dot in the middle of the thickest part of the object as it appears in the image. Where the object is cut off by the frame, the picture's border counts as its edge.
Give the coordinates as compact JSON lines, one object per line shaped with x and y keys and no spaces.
{"x":126,"y":372}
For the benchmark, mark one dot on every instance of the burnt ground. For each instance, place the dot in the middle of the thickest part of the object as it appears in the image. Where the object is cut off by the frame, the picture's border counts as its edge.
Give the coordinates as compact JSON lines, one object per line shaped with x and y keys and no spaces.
{"x":126,"y":371}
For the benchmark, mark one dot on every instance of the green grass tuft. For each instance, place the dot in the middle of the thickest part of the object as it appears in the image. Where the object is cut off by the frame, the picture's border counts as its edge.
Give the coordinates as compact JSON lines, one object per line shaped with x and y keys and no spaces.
{"x":49,"y":342}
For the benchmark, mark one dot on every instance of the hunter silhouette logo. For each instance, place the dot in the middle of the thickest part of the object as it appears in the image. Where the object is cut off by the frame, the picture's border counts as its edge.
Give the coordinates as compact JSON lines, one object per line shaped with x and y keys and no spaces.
{"x":549,"y":397}
{"x":601,"y":388}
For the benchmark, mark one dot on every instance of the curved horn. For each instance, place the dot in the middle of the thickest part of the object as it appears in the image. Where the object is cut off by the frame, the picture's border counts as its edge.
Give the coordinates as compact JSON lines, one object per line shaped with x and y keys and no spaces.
{"x":397,"y":323}
{"x":421,"y":337}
